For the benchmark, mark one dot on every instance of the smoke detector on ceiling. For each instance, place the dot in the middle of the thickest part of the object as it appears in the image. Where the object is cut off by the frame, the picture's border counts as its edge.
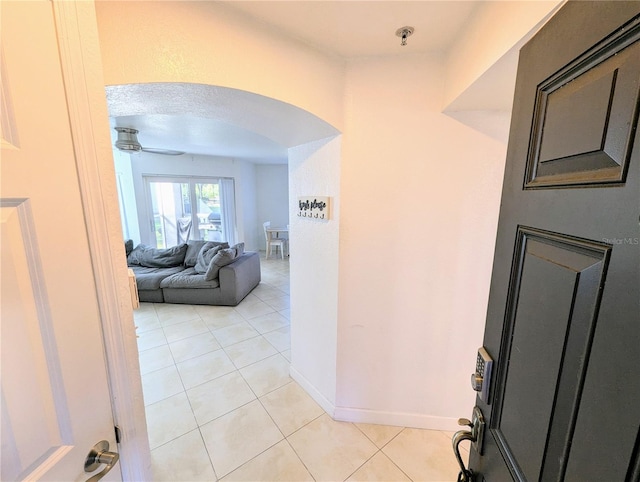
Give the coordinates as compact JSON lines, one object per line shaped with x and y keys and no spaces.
{"x":404,"y":33}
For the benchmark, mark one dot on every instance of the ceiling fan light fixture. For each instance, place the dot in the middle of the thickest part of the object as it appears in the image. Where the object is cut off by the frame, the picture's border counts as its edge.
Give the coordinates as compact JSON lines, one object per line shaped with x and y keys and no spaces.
{"x":128,"y":139}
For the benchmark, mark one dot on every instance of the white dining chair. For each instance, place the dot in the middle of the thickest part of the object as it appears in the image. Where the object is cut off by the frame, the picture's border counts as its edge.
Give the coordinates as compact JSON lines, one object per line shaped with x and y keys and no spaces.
{"x":272,"y":242}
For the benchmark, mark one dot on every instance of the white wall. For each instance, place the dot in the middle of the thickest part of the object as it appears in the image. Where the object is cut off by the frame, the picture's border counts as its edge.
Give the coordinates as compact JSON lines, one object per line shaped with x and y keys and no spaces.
{"x":272,"y":195}
{"x":494,"y":30}
{"x":419,"y":206}
{"x":203,"y":166}
{"x":314,"y":169}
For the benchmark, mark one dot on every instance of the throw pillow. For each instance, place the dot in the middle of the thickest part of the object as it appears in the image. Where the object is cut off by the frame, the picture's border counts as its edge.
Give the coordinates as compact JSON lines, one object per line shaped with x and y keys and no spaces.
{"x":205,"y":256}
{"x":239,"y":249}
{"x":222,"y":258}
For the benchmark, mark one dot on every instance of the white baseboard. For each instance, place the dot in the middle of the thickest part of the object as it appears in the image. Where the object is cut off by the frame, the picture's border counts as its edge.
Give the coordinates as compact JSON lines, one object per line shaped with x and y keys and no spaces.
{"x":318,"y":397}
{"x":400,"y":419}
{"x":358,"y":415}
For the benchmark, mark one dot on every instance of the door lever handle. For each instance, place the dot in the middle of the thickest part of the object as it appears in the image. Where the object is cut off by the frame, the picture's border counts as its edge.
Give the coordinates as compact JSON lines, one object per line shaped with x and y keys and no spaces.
{"x":98,"y":455}
{"x":465,"y":474}
{"x":475,"y":436}
{"x":465,"y":421}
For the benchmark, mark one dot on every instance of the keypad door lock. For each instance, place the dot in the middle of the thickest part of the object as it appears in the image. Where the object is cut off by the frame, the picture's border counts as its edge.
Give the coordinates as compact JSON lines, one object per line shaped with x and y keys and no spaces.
{"x":481,"y":379}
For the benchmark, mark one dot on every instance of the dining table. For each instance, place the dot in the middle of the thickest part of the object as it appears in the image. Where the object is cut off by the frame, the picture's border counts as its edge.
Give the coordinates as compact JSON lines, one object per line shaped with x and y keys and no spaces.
{"x":277,"y":230}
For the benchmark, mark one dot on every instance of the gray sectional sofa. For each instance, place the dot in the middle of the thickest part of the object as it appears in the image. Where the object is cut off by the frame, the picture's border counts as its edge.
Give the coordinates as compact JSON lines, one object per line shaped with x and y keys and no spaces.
{"x":197,"y":272}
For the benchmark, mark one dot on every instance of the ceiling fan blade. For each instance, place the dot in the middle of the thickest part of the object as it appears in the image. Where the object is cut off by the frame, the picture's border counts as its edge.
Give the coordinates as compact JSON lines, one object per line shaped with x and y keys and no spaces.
{"x":165,"y":152}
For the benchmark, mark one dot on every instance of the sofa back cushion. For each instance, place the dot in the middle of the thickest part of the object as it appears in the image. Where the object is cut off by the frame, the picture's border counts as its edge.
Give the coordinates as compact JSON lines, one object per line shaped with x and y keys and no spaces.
{"x":193,"y":249}
{"x":128,"y":246}
{"x":222,"y":258}
{"x":149,"y":257}
{"x":205,"y":256}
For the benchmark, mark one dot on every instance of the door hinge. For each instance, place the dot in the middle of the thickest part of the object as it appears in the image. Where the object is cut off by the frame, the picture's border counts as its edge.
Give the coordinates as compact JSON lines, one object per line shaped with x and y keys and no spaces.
{"x":118,"y":434}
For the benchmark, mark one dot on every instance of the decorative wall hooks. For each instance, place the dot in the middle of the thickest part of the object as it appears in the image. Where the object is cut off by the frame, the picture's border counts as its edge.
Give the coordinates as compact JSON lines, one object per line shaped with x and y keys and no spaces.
{"x":315,"y":207}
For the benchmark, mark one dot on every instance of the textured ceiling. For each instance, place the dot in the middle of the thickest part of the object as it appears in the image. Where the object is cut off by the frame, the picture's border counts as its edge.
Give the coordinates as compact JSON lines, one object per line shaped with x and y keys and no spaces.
{"x":209,"y":120}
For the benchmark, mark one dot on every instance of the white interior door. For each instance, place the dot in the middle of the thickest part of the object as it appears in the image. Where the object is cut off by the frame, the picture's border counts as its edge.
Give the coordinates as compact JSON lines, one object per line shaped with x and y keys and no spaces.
{"x":55,"y":396}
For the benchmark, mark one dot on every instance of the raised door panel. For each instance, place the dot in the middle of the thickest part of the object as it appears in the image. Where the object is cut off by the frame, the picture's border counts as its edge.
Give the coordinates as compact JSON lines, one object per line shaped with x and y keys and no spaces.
{"x":585,"y":117}
{"x":35,"y":415}
{"x":553,"y":312}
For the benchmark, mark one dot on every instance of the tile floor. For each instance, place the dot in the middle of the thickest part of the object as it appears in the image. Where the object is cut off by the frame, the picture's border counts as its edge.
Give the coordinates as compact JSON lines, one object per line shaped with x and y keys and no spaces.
{"x":220,"y":404}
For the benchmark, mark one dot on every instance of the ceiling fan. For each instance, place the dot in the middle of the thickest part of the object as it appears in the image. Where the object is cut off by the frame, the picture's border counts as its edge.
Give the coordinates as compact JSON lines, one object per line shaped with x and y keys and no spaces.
{"x":128,"y":142}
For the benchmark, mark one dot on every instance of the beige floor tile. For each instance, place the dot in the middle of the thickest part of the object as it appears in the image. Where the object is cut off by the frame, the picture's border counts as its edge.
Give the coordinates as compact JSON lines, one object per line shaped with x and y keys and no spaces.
{"x":170,"y":314}
{"x":267,"y":375}
{"x":169,"y":419}
{"x":269,"y":322}
{"x":265,"y":292}
{"x":185,"y":329}
{"x":222,"y":320}
{"x":280,"y":338}
{"x":203,"y":368}
{"x":287,"y":355}
{"x":205,"y":311}
{"x":183,"y":459}
{"x":464,"y":446}
{"x":234,"y":333}
{"x":277,"y":464}
{"x":254,"y":309}
{"x":145,"y":307}
{"x":239,"y":436}
{"x":147,"y":322}
{"x":250,"y":351}
{"x":280,"y":303}
{"x":379,"y":468}
{"x":194,"y":346}
{"x":155,"y":358}
{"x":291,"y":407}
{"x":331,"y":450}
{"x":151,"y":339}
{"x":218,"y":397}
{"x":282,"y":285}
{"x":161,"y":384}
{"x":424,"y":455}
{"x":379,"y":434}
{"x":286,"y":313}
{"x":248,"y":300}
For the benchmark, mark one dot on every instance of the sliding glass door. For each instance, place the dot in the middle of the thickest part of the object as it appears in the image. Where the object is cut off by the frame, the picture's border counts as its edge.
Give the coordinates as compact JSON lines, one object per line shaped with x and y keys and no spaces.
{"x":190,"y":208}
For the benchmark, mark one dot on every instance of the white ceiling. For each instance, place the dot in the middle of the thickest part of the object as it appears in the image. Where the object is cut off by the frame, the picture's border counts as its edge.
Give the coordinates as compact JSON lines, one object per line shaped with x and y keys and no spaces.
{"x":364,"y":28}
{"x":344,"y":29}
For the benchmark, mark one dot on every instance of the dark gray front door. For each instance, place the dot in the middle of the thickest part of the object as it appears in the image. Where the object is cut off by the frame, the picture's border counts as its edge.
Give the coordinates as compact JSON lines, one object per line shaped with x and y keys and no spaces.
{"x":563,"y":322}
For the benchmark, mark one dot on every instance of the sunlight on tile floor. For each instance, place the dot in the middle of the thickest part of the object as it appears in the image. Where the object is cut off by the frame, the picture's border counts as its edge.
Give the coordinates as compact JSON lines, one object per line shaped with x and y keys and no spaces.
{"x":220,"y":404}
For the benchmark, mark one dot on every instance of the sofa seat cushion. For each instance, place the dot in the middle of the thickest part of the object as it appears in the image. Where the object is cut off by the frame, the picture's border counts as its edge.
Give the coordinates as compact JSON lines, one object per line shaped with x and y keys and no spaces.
{"x":189,"y":278}
{"x":150,"y":278}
